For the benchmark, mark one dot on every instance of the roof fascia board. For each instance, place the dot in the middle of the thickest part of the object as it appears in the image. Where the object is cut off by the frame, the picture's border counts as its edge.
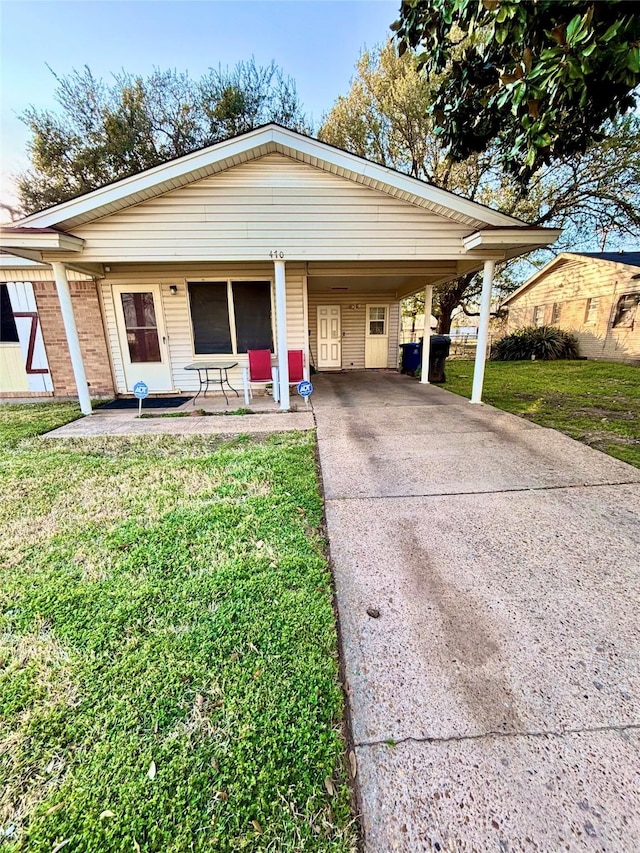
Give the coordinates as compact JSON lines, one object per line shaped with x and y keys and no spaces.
{"x":274,"y":138}
{"x":523,"y":236}
{"x":52,"y":241}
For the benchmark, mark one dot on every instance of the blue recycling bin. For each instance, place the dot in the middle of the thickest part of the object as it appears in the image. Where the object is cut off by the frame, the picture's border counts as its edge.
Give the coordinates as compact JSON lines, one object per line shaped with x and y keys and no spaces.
{"x":411,"y":358}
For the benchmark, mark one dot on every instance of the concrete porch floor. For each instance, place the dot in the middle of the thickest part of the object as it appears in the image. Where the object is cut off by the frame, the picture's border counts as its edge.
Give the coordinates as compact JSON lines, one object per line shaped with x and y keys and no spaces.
{"x":219,"y":420}
{"x":495,"y":701}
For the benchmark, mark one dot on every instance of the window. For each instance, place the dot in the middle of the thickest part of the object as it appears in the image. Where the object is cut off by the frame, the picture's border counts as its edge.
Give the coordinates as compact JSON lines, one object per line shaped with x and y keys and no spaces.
{"x":142,"y":329}
{"x":377,"y":320}
{"x":538,"y":315}
{"x":8,"y":330}
{"x":555,"y":313}
{"x":230,"y":317}
{"x":626,"y":311}
{"x":591,"y":314}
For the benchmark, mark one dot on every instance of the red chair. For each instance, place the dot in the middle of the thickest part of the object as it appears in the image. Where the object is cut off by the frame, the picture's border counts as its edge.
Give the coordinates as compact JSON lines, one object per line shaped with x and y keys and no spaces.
{"x":258,"y":370}
{"x":297,"y":372}
{"x":295,"y":357}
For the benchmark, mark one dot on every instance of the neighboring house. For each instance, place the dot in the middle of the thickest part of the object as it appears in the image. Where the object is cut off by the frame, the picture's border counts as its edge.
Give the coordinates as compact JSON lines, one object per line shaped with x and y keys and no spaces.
{"x":268,"y":240}
{"x":34,"y":357}
{"x":593,"y":295}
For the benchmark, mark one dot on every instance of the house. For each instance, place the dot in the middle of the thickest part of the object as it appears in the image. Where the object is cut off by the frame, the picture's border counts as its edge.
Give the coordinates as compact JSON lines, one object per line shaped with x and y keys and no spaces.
{"x":593,"y":295}
{"x":271,"y":240}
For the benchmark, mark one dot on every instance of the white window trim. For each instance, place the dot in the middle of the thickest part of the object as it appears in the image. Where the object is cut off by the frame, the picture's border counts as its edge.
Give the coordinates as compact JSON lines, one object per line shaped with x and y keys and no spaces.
{"x":232,"y":315}
{"x":384,"y":305}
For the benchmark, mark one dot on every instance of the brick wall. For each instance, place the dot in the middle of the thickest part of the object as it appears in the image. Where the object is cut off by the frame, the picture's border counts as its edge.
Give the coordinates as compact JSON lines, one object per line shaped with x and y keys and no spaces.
{"x":569,"y":287}
{"x":86,"y":308}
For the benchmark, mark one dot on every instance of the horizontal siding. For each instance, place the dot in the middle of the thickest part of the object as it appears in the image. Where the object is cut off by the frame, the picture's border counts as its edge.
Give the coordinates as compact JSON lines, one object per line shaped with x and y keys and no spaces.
{"x":353,"y":323}
{"x":177,"y":318}
{"x":272,"y":203}
{"x":571,"y":285}
{"x":26,"y":274}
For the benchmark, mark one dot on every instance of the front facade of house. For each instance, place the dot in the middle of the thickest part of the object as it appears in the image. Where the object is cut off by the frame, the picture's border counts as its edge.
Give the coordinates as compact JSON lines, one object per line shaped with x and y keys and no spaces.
{"x":271,"y":240}
{"x":594,"y":296}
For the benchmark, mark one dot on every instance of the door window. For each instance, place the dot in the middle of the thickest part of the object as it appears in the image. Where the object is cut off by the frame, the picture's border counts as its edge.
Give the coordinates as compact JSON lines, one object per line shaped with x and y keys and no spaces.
{"x":141,"y":327}
{"x":377,"y":320}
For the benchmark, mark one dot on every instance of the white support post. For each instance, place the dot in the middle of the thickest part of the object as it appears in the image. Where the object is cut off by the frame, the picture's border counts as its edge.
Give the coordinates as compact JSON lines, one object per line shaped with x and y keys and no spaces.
{"x":428,"y":305}
{"x":281,"y":335}
{"x":483,"y":331}
{"x":73,"y":341}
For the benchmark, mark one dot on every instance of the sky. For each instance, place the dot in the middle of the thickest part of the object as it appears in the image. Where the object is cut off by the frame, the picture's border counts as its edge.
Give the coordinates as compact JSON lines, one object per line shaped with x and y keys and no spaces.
{"x":316,"y":42}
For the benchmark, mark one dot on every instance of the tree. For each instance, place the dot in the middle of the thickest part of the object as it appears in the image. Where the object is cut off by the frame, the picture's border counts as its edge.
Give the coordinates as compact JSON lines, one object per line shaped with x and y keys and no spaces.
{"x":102,"y":133}
{"x":595,"y":195}
{"x":542,"y":78}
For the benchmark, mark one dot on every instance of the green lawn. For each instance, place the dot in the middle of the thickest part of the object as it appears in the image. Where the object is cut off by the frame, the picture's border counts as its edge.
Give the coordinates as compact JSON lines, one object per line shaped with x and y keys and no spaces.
{"x":594,"y":401}
{"x":168,"y":668}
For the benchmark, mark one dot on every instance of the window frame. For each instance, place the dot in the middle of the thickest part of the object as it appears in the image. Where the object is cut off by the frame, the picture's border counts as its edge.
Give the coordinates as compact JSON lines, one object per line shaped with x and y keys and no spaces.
{"x":231,"y":312}
{"x":618,"y":317}
{"x":592,"y":308}
{"x":538,"y":320}
{"x":385,"y":320}
{"x":555,"y":312}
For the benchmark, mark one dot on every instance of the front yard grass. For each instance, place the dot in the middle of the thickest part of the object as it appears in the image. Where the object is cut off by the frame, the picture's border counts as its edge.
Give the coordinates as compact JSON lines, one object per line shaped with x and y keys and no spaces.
{"x":168,"y":668}
{"x":595,"y":402}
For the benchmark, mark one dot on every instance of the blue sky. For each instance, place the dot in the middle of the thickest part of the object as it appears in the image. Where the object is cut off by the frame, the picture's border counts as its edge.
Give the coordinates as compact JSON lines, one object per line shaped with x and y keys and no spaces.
{"x":317,"y":42}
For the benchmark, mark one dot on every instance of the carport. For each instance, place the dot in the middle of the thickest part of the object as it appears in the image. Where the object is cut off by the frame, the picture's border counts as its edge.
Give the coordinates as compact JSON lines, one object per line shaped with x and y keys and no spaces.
{"x":486,"y":575}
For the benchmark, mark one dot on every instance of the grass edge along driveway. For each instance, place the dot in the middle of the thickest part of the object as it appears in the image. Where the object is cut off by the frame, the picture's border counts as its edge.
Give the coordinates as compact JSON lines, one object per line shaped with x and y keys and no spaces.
{"x":596,"y":402}
{"x":168,"y":672}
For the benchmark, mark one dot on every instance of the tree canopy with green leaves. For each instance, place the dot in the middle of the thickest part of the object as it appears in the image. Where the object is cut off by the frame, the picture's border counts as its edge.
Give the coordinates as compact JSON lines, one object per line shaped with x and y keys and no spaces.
{"x":104,"y":132}
{"x":593,"y":196}
{"x":541,"y":78}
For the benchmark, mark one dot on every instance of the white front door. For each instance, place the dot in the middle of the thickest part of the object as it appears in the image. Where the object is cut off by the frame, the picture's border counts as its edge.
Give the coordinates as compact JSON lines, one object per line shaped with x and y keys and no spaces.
{"x":329,"y":337}
{"x":376,"y":347}
{"x":142,"y":335}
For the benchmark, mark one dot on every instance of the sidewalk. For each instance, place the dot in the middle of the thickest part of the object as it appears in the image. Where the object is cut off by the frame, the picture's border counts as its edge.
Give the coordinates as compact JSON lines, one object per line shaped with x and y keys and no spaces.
{"x":495,"y":700}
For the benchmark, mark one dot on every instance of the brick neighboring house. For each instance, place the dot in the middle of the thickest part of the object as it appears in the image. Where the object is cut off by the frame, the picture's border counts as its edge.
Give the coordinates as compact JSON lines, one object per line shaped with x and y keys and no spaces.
{"x":34,"y":356}
{"x":593,"y":295}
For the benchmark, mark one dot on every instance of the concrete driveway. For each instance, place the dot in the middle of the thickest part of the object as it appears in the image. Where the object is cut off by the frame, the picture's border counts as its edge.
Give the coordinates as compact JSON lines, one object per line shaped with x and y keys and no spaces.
{"x":495,"y":700}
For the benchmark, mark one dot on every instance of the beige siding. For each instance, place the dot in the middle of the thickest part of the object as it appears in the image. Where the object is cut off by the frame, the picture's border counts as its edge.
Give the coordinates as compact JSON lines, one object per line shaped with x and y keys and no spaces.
{"x":274,"y":203}
{"x":353,"y":313}
{"x":571,"y":285}
{"x":177,"y":318}
{"x":31,"y":274}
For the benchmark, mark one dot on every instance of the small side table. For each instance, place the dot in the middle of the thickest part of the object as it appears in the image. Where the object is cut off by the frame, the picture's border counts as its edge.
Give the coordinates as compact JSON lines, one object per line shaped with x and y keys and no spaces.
{"x":204,"y":368}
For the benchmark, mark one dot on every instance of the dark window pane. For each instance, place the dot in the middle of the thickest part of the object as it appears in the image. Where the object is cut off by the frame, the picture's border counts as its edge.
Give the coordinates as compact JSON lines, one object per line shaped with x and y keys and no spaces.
{"x":143,"y":345}
{"x":140,"y":323}
{"x":8,"y":331}
{"x":210,"y":317}
{"x":376,"y":327}
{"x":252,"y":306}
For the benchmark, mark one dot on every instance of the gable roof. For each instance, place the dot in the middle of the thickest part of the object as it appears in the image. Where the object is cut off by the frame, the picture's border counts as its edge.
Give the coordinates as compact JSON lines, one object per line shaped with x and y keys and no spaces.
{"x":631,"y":259}
{"x":269,"y":139}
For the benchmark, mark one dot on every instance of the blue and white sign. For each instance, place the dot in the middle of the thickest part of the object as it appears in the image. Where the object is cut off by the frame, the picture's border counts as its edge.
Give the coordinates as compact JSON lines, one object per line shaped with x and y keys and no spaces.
{"x":140,"y":390}
{"x":305,"y":388}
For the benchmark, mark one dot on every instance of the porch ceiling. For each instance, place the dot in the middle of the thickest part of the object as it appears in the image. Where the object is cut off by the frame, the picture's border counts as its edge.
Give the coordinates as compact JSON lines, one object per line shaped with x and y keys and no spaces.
{"x":401,"y":278}
{"x":399,"y":284}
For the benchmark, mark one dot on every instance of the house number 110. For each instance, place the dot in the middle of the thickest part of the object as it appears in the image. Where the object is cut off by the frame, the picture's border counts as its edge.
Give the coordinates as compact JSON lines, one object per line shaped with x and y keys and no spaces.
{"x":276,"y":254}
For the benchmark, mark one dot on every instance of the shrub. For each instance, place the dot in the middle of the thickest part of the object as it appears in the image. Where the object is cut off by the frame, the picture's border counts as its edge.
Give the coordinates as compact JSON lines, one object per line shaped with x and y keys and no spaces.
{"x":546,"y":343}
